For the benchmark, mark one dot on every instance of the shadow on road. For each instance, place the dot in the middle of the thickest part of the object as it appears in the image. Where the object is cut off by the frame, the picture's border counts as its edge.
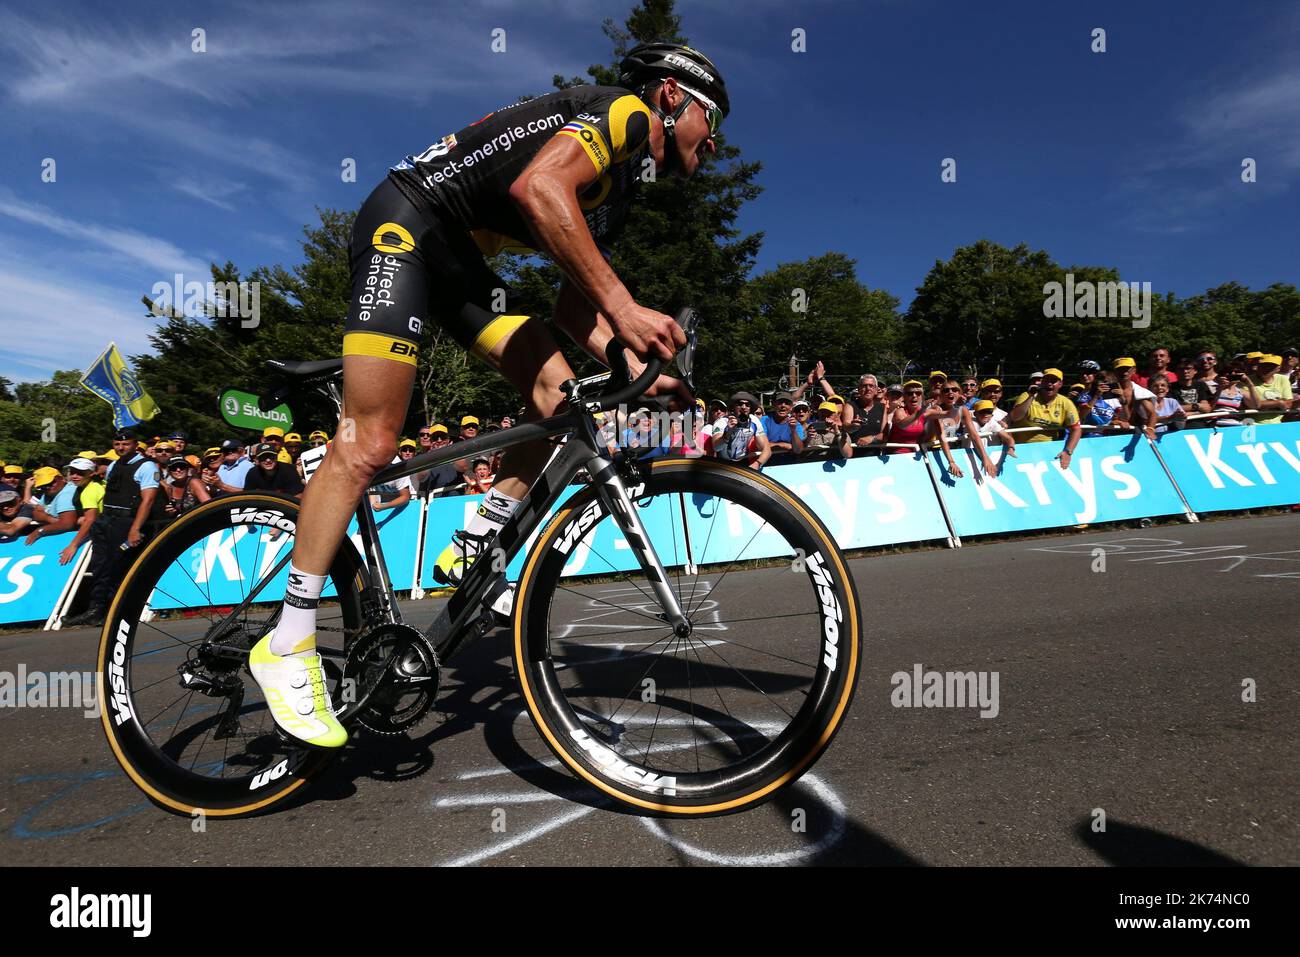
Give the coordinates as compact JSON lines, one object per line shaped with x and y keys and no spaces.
{"x":1131,"y":845}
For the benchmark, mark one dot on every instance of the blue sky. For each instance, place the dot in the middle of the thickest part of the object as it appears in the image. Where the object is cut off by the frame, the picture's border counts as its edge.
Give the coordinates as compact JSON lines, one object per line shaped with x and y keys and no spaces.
{"x":168,"y":159}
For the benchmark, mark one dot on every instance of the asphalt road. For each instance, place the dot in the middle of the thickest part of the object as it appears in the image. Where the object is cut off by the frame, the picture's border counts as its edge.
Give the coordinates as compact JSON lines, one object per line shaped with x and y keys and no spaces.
{"x":1119,"y":697}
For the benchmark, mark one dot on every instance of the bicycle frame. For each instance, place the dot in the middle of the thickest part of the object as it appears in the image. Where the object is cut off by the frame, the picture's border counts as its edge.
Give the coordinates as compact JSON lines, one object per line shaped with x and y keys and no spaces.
{"x":583,"y":450}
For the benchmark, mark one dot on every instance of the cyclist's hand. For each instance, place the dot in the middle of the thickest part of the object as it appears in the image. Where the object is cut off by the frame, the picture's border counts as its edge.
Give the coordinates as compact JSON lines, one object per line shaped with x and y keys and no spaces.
{"x":648,"y":333}
{"x":665,"y":385}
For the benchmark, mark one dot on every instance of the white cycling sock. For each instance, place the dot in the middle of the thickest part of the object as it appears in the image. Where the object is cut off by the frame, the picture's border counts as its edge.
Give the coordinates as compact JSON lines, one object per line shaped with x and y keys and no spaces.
{"x":298,"y":614}
{"x":493,"y":512}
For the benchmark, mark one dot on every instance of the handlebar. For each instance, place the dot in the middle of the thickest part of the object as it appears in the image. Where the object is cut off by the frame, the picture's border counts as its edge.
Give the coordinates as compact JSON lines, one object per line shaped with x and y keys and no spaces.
{"x":688,"y":319}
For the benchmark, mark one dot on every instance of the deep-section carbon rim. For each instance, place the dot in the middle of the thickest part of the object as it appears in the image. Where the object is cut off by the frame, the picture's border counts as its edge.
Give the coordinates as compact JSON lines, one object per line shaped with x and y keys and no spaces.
{"x":206,"y":562}
{"x":755,"y":692}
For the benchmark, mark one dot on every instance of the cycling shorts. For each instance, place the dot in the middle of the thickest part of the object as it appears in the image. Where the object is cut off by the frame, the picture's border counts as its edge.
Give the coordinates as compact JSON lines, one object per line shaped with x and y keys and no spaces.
{"x":408,"y":269}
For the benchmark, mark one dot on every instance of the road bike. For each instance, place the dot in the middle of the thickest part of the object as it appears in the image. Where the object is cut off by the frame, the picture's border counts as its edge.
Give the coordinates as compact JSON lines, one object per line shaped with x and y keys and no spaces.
{"x":685,"y":633}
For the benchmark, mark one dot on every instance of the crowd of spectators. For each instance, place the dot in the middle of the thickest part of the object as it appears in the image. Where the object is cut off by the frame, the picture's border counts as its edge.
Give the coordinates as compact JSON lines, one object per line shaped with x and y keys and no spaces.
{"x":945,"y":412}
{"x":941,"y":412}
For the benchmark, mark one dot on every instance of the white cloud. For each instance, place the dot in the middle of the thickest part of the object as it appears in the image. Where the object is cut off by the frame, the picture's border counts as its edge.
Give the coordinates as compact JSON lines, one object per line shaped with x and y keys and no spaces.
{"x":125,"y":244}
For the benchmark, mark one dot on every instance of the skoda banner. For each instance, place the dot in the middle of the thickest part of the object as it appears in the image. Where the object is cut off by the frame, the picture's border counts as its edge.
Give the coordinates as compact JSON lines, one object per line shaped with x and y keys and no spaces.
{"x":240,"y":410}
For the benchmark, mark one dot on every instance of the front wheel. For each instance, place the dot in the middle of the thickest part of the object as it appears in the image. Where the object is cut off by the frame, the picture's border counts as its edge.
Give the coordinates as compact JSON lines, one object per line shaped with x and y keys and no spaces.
{"x":714,"y":721}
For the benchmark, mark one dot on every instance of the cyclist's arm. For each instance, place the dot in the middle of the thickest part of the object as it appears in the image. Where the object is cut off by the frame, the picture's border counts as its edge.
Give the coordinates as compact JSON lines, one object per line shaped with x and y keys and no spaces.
{"x":586,"y":326}
{"x":546,"y":194}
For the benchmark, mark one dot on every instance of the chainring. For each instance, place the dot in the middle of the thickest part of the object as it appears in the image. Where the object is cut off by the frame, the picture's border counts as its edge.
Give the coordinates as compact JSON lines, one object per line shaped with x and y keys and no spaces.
{"x":394,"y":670}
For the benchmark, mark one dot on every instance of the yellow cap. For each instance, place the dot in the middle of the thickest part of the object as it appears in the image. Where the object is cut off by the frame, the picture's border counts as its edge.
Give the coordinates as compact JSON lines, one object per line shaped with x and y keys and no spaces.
{"x":405,"y":442}
{"x":44,"y":477}
{"x":87,"y":455}
{"x":1253,"y":355}
{"x":273,"y":430}
{"x":984,"y":405}
{"x":318,"y":434}
{"x":13,"y":470}
{"x":828,"y":407}
{"x":1123,"y":361}
{"x":1053,"y":372}
{"x":1266,"y":359}
{"x":938,"y":375}
{"x":991,"y":382}
{"x":209,"y":453}
{"x":293,"y":437}
{"x":439,"y":427}
{"x":1077,"y":385}
{"x":469,"y":420}
{"x":913,"y":382}
{"x":111,"y":455}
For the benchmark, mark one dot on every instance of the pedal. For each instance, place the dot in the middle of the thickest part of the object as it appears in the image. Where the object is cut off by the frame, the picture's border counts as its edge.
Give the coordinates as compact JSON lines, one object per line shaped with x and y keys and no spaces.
{"x":500,"y":601}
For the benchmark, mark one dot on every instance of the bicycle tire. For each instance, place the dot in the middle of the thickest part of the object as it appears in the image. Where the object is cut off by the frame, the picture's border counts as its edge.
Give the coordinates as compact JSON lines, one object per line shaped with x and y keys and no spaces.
{"x":639,"y":784}
{"x":166,"y":782}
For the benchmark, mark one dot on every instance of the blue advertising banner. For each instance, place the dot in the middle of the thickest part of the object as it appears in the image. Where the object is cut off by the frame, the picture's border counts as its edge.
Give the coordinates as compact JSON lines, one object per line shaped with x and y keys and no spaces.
{"x":222,"y":569}
{"x":1236,"y":467}
{"x":867,"y":501}
{"x":31,"y":578}
{"x":1109,"y":479}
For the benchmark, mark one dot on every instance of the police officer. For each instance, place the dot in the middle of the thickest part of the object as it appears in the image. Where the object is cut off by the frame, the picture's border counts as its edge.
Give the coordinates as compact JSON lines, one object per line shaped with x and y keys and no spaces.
{"x":130,"y":496}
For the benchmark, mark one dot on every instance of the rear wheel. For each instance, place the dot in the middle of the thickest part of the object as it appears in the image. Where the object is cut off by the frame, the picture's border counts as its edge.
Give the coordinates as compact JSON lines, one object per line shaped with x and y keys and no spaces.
{"x":183,"y":715}
{"x":710,"y":722}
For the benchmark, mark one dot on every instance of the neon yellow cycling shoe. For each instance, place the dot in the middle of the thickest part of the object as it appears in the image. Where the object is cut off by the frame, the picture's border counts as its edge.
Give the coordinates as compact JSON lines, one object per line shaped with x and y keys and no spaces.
{"x":456,"y":558}
{"x":295,"y":693}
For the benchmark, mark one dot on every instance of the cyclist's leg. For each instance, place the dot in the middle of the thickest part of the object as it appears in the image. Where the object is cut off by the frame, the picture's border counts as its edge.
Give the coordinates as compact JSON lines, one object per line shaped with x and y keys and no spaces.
{"x":389,"y":303}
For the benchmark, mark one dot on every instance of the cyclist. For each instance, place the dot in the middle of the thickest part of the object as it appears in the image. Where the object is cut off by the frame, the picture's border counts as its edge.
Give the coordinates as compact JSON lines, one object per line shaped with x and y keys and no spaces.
{"x":555,"y":174}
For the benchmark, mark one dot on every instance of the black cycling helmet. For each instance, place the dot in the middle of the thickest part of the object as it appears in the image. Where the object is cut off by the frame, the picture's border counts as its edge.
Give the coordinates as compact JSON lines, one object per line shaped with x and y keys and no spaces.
{"x":651,"y":62}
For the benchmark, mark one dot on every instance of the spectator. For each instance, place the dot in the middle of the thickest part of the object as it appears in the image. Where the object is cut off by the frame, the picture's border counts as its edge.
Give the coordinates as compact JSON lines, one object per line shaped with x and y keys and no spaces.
{"x":816,"y":377}
{"x":15,"y":516}
{"x":293,"y":445}
{"x":208,"y":472}
{"x":274,"y":435}
{"x":1157,"y":364}
{"x":130,"y":493}
{"x":507,"y":422}
{"x":445,"y":479}
{"x":1207,"y":375}
{"x":1230,"y":396}
{"x":1036,"y":380}
{"x":638,"y":437}
{"x":970,"y":387}
{"x":684,"y":435}
{"x":1100,"y":404}
{"x":181,"y":489}
{"x":270,"y":474}
{"x":318,"y":438}
{"x":1088,"y":372}
{"x":1183,"y":387}
{"x":948,"y":421}
{"x":53,"y":512}
{"x":1270,"y":390}
{"x":742,"y":440}
{"x":1291,"y":368}
{"x":991,"y":391}
{"x":392,"y":494}
{"x":235,"y":466}
{"x":87,"y":501}
{"x":1043,"y":409}
{"x":783,"y":431}
{"x":892,"y":399}
{"x":936,"y":383}
{"x":1139,"y":402}
{"x":468,"y":428}
{"x":867,"y":416}
{"x":14,"y":479}
{"x":991,"y":429}
{"x":825,"y":434}
{"x":907,"y":426}
{"x":1170,"y":415}
{"x":478,"y":480}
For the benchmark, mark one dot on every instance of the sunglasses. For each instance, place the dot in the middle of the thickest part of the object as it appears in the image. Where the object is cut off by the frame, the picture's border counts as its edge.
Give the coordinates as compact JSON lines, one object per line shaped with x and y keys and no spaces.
{"x":469,"y":427}
{"x":267,"y":458}
{"x":406,"y":451}
{"x":422,"y":435}
{"x":177,"y":468}
{"x":952,"y":388}
{"x":712,"y":113}
{"x":913,"y":393}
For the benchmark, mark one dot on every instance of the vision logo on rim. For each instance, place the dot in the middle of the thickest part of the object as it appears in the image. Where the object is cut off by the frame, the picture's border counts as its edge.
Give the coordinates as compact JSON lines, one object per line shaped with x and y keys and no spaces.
{"x":383,"y":239}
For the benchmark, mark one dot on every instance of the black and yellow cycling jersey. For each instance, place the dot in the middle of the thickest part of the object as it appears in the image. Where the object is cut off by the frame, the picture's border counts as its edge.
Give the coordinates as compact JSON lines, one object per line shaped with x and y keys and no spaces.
{"x":419,"y":239}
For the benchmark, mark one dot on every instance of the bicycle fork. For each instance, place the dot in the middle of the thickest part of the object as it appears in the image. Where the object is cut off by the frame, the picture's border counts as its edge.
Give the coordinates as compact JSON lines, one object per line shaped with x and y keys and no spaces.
{"x":617,"y":499}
